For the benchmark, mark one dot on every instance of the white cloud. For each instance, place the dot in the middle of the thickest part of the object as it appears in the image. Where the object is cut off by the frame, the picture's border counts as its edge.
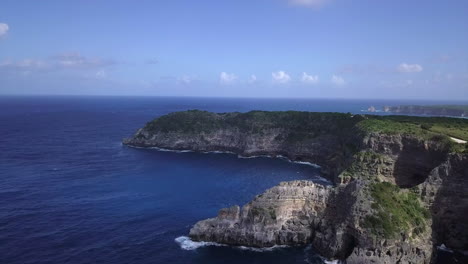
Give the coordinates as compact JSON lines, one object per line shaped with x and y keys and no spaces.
{"x":24,"y":65}
{"x":308,"y":3}
{"x":404,"y":67}
{"x":252,"y":78}
{"x":280,"y":77}
{"x":227,"y":78}
{"x":101,"y":74}
{"x":3,"y":29}
{"x":337,"y":80}
{"x":76,"y":60}
{"x":185,"y":79}
{"x":311,"y":79}
{"x":68,"y":61}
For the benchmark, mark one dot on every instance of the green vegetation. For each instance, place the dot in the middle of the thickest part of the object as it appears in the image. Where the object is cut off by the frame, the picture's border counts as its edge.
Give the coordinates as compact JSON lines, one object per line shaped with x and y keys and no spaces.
{"x":189,"y":121}
{"x":427,"y":128}
{"x":300,"y":126}
{"x":395,"y":211}
{"x":422,"y":126}
{"x":260,"y":211}
{"x":366,"y":165}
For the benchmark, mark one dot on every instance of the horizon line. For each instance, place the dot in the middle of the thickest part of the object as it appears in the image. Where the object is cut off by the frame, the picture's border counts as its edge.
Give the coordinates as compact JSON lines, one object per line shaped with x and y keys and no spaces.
{"x":230,"y":97}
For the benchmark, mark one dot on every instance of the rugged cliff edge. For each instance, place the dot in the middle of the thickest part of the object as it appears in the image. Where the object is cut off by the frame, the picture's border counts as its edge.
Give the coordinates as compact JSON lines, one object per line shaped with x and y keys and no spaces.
{"x":400,"y":186}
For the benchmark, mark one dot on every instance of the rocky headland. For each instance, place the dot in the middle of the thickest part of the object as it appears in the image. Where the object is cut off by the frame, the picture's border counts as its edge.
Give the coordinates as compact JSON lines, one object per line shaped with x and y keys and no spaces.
{"x":400,"y":183}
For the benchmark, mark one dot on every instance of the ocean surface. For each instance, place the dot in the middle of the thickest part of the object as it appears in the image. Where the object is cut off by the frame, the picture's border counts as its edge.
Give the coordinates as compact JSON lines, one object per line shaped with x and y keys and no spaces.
{"x":71,"y":193}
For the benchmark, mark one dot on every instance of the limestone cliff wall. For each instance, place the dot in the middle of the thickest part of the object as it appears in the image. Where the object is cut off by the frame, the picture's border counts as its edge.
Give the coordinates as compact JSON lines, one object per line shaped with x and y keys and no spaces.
{"x":446,"y":193}
{"x":344,"y":221}
{"x":327,"y":150}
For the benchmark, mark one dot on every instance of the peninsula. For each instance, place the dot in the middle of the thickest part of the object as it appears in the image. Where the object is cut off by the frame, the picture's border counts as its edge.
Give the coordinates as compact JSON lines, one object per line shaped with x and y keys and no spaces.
{"x":400,"y":183}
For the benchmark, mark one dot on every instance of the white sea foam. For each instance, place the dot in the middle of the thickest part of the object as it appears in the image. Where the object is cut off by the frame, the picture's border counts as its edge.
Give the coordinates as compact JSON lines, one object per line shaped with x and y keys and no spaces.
{"x":311,"y":257}
{"x":327,"y":261}
{"x":172,"y":150}
{"x":307,"y":163}
{"x":265,"y":249}
{"x":218,"y":152}
{"x":187,"y":244}
{"x":230,"y":152}
{"x":332,"y":261}
{"x":444,"y":248}
{"x":242,"y":157}
{"x":253,"y":157}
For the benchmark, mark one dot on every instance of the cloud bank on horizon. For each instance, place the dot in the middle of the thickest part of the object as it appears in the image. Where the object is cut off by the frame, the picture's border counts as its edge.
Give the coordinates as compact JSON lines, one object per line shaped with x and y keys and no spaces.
{"x":3,"y":29}
{"x":309,"y":3}
{"x":287,"y":48}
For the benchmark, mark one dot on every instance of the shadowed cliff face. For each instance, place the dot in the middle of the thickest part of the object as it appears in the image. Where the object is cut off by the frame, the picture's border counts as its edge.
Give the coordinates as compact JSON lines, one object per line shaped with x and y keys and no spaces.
{"x":370,"y":216}
{"x":446,"y":191}
{"x":412,"y":159}
{"x":326,"y":139}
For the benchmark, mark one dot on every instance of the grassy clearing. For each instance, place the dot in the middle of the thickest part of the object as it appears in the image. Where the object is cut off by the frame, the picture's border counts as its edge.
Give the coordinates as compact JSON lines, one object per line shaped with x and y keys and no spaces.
{"x":420,"y":126}
{"x":437,"y":129}
{"x":395,"y":211}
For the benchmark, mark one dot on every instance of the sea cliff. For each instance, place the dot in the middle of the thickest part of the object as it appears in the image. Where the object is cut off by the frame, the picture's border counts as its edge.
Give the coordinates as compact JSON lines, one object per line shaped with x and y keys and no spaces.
{"x":399,"y":190}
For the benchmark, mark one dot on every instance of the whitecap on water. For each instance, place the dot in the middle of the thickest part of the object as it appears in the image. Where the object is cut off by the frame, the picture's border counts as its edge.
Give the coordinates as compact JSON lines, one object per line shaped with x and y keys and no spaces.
{"x":262,"y":249}
{"x":307,"y":163}
{"x":332,"y":261}
{"x":187,"y":244}
{"x":444,"y":248}
{"x":312,"y":257}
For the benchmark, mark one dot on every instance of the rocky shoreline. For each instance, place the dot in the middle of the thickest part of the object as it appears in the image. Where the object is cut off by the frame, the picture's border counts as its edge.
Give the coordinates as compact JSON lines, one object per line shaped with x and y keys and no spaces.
{"x":396,"y":196}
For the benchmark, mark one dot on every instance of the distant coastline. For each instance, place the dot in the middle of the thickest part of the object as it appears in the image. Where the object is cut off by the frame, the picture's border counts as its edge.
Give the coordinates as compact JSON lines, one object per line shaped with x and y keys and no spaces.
{"x":430,"y":110}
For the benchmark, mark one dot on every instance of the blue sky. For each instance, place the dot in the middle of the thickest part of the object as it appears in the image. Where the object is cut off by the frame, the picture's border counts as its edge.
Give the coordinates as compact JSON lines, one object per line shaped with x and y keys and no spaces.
{"x":242,"y":48}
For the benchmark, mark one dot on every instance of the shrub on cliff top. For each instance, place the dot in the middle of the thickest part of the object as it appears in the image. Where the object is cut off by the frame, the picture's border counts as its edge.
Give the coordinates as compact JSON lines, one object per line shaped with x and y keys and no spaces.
{"x":423,"y":127}
{"x":299,"y":126}
{"x":395,"y":211}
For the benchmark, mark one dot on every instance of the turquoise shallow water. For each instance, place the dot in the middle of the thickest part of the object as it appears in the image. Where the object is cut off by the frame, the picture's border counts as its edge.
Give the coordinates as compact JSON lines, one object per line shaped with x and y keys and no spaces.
{"x":71,"y":193}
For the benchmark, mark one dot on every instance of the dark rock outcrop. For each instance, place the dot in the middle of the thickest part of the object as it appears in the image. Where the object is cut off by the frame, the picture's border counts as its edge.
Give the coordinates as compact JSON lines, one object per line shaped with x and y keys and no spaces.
{"x":446,"y":192}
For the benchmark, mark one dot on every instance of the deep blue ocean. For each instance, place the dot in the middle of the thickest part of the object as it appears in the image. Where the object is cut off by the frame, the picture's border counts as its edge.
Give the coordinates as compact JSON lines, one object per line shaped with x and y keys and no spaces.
{"x":71,"y":193}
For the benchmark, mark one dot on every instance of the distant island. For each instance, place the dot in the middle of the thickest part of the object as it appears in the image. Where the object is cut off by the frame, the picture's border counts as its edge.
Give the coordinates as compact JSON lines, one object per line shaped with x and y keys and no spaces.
{"x":431,"y":110}
{"x":399,"y":182}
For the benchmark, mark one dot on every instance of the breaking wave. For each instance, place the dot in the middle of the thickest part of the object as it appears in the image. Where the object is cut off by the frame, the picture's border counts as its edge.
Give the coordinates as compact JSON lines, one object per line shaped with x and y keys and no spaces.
{"x":186,"y":243}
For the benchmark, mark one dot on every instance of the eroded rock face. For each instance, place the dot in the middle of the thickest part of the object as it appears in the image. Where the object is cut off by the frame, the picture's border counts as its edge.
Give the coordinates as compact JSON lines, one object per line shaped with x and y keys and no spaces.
{"x":332,"y":218}
{"x":446,"y":192}
{"x":283,"y":215}
{"x":302,"y":212}
{"x":321,"y":141}
{"x":411,"y":159}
